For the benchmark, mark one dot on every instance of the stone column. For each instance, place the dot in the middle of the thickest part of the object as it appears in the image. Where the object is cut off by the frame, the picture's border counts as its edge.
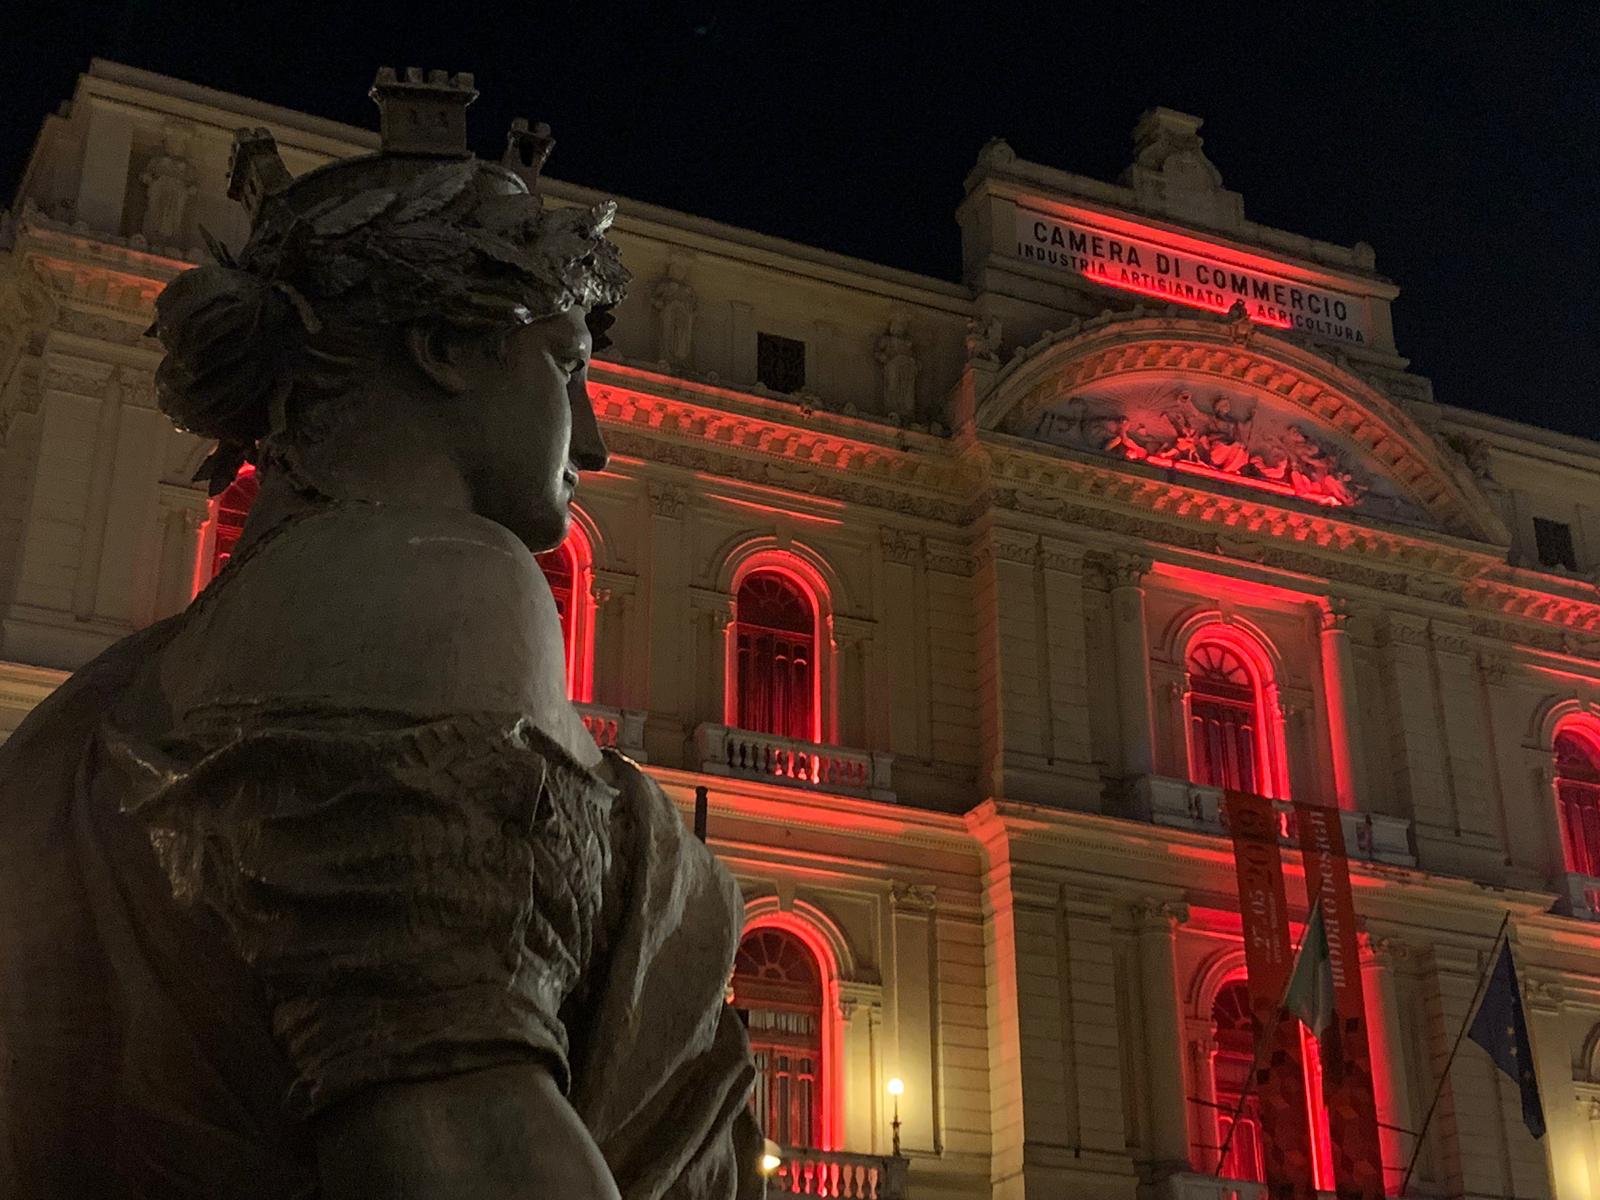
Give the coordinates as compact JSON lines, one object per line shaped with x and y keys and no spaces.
{"x":1125,"y":574}
{"x":1339,"y":685}
{"x":1157,"y":922}
{"x":1391,"y":1079}
{"x":183,"y":515}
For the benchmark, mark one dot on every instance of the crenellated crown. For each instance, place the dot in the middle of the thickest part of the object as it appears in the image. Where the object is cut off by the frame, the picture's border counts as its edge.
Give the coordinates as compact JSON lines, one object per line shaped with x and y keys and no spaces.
{"x":423,"y":114}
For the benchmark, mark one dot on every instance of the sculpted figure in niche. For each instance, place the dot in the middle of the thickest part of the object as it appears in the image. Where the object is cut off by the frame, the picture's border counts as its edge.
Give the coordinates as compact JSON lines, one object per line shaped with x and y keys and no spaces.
{"x":983,"y":339}
{"x":169,"y":182}
{"x":674,"y":301}
{"x":899,"y":359}
{"x":320,"y":889}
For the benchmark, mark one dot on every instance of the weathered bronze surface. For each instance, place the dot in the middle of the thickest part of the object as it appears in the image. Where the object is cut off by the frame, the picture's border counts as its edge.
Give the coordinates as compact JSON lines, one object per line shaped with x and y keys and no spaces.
{"x":320,"y":888}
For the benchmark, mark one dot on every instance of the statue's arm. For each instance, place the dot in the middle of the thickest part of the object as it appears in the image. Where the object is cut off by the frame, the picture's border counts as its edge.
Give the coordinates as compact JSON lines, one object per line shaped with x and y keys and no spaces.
{"x":503,"y":1133}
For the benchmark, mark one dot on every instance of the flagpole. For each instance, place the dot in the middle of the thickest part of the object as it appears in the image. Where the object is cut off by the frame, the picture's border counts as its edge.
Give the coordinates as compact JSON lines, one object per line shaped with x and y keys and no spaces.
{"x":1466,"y":1021}
{"x":1262,"y":1040}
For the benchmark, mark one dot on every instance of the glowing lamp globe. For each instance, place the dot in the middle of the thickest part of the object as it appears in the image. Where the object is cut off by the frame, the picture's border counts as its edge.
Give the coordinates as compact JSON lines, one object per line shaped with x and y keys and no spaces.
{"x":771,"y":1160}
{"x":897,"y":1087}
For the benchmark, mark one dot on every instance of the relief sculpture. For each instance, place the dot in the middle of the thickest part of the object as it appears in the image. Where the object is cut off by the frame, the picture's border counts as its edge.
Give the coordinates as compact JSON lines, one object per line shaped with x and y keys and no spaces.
{"x":1208,"y":433}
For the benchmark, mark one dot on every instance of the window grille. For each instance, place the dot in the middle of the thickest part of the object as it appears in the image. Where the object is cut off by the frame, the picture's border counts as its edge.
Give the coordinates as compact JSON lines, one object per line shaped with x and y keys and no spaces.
{"x":780,"y":363}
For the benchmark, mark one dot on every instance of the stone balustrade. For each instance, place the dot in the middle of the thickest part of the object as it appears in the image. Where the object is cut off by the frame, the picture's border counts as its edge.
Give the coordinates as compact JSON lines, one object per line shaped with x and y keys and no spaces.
{"x":839,"y":1173}
{"x":741,"y":753}
{"x":1368,"y":837}
{"x":615,"y":728}
{"x":1580,"y":897}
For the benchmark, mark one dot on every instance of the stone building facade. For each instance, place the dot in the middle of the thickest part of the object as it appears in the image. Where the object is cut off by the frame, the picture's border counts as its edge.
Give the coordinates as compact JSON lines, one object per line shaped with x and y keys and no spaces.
{"x":963,"y":599}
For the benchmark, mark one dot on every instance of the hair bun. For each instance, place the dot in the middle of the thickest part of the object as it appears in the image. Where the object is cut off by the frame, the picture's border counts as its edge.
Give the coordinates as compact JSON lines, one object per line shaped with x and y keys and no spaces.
{"x":226,"y":332}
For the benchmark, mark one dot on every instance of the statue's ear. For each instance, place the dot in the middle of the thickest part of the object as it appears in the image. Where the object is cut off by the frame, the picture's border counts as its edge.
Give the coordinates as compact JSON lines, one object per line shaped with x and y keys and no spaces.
{"x":438,"y":355}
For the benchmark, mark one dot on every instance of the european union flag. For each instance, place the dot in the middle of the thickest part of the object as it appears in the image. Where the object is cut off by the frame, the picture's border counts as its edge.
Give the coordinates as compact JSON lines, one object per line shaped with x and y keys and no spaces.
{"x":1502,"y":1030}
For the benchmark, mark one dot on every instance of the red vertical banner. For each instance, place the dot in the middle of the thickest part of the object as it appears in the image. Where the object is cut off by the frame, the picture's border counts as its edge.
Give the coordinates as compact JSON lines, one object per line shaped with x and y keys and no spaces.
{"x":1347,"y":1057}
{"x":1280,"y":1076}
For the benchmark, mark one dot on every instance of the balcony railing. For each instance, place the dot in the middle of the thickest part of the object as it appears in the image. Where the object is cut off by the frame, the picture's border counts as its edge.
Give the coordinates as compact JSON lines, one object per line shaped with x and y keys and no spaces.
{"x":615,"y":728}
{"x":811,"y":765}
{"x":839,"y":1173}
{"x":1582,"y":896}
{"x":1368,"y":837}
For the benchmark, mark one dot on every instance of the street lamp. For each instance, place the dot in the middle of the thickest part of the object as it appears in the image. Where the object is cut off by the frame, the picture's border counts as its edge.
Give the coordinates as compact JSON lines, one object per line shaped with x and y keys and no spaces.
{"x":771,"y":1158}
{"x":897,"y":1088}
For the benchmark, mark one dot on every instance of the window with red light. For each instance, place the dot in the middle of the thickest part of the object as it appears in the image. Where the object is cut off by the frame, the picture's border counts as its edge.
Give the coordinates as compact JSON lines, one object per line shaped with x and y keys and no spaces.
{"x":777,"y":990}
{"x":229,"y":508}
{"x":1233,"y":1033}
{"x":775,"y":641}
{"x":1578,"y":794}
{"x":559,"y":571}
{"x":1224,"y":719}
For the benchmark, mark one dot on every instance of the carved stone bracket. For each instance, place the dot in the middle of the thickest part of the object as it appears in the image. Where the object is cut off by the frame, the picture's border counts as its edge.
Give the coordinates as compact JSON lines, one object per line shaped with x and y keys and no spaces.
{"x":900,"y":546}
{"x":913,"y":895}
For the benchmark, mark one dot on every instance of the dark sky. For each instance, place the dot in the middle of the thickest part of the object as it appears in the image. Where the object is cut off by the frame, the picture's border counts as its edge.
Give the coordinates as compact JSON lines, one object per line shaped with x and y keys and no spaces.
{"x":1461,"y":139}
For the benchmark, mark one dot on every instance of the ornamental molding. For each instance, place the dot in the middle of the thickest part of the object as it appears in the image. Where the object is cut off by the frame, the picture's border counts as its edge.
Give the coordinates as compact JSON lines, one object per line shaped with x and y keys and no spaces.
{"x":913,"y":895}
{"x":900,"y":546}
{"x":1298,"y":377}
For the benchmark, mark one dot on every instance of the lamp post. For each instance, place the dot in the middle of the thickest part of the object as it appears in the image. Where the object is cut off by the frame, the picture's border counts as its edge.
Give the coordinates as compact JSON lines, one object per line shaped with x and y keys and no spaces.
{"x":771,"y":1157}
{"x":896,"y":1088}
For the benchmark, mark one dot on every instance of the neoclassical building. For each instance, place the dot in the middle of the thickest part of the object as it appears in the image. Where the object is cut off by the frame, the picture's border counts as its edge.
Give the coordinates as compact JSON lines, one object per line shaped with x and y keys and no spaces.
{"x":965,"y":600}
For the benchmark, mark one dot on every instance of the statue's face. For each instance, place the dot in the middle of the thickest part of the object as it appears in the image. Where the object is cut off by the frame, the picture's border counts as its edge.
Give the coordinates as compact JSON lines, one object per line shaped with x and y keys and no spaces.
{"x":537,"y":429}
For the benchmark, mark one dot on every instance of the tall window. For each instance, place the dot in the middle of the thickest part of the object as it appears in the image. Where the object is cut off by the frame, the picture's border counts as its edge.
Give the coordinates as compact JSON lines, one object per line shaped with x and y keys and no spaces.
{"x":1233,"y":1031}
{"x":777,"y":989}
{"x":1578,"y":793}
{"x":776,"y":646}
{"x":229,"y":510}
{"x":1224,"y":720}
{"x":558,"y":570}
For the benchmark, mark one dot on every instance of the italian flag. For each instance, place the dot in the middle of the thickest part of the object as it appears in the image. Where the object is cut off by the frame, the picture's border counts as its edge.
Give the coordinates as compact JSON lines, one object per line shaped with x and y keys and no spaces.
{"x":1309,"y":997}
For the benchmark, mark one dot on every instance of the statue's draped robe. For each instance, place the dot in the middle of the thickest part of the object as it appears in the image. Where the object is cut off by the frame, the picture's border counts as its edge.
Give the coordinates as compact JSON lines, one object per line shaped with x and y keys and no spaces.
{"x":336,"y":826}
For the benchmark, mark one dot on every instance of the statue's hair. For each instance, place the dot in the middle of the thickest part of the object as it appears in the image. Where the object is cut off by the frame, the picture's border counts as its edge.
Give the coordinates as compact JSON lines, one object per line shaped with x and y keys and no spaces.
{"x":343,"y":259}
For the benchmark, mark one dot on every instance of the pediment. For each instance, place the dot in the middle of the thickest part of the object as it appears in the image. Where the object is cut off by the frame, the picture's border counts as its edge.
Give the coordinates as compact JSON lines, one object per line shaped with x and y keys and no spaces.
{"x":1258,"y":413}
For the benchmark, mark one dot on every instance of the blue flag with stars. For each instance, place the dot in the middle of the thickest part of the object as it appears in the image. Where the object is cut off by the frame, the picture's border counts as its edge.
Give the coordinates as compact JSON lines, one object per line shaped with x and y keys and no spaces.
{"x":1502,"y":1030}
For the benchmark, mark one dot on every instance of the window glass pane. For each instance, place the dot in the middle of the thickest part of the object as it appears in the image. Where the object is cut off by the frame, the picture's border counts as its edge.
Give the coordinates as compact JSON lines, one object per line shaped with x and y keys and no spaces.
{"x":1553,"y":544}
{"x":780,"y":362}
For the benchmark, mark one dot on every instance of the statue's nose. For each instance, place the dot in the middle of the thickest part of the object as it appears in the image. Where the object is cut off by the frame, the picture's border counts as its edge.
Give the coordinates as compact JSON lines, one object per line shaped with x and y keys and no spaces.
{"x":588,"y":450}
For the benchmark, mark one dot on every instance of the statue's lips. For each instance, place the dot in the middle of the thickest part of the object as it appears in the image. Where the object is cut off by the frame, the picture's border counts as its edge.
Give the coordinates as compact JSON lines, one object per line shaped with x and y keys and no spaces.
{"x":569,"y":476}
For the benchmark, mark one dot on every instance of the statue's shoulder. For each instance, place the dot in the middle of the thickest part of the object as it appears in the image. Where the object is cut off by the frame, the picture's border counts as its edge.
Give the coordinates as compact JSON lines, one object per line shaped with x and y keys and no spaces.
{"x":420,"y":610}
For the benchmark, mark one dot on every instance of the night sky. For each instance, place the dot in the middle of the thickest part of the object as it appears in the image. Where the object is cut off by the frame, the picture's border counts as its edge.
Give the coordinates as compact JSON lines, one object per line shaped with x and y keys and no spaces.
{"x":1461,"y":139}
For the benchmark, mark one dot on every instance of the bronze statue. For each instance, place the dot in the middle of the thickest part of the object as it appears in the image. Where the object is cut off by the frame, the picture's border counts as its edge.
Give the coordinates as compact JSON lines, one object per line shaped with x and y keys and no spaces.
{"x":320,"y":888}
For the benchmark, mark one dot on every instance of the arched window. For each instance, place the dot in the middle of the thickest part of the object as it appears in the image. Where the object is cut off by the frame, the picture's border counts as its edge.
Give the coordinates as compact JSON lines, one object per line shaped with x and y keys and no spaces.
{"x":1578,"y":794}
{"x":777,"y":989}
{"x":229,"y":508}
{"x":1224,"y":722}
{"x":775,"y":642}
{"x":1235,"y":722}
{"x":561,"y":573}
{"x":1234,"y":1034}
